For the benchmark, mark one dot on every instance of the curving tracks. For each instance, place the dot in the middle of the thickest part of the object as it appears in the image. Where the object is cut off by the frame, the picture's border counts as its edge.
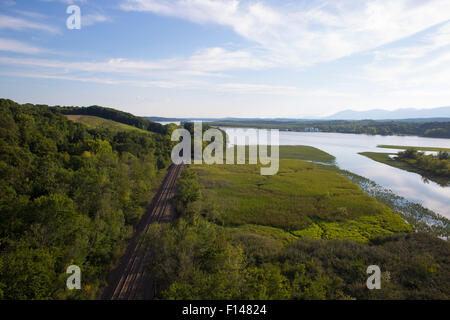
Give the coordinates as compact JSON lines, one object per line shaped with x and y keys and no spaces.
{"x":128,"y":281}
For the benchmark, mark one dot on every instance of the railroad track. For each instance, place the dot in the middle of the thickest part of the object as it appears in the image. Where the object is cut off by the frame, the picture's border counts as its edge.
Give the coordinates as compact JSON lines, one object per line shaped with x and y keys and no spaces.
{"x":130,"y":283}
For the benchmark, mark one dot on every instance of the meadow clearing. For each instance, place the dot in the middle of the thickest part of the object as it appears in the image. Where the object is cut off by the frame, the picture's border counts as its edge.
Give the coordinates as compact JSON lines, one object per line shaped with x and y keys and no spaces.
{"x":102,"y":123}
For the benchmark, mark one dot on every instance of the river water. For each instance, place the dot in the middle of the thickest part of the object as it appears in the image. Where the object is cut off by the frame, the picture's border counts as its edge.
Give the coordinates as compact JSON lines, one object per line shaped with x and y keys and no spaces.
{"x":345,"y":147}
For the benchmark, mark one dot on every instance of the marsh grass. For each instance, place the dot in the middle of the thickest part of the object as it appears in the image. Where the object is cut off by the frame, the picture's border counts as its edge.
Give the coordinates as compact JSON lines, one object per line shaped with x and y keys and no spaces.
{"x":303,"y":200}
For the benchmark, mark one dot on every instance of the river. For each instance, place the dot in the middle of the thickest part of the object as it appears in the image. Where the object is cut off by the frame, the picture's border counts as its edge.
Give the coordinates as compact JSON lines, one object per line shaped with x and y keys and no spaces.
{"x":345,"y":147}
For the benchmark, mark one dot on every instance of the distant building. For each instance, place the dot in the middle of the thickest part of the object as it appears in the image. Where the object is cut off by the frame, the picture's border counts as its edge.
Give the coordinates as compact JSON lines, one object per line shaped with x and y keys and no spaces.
{"x":312,"y":130}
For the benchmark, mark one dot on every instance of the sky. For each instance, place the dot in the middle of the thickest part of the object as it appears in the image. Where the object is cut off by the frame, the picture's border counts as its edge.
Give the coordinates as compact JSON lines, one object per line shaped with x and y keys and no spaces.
{"x":227,"y":58}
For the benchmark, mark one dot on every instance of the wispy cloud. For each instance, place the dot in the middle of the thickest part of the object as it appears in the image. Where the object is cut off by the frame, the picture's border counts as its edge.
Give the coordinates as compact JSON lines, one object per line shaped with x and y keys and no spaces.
{"x":90,"y":19}
{"x":423,"y":64}
{"x":16,"y":23}
{"x":305,"y":33}
{"x":185,"y":73}
{"x":282,"y":42}
{"x":207,"y":62}
{"x":100,"y":80}
{"x":235,"y":88}
{"x":18,"y":47}
{"x":30,"y":14}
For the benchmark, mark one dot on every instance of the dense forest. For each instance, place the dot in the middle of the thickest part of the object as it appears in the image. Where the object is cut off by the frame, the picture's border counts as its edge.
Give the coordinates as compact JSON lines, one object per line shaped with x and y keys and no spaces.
{"x":69,"y":194}
{"x":415,"y":128}
{"x":197,"y":258}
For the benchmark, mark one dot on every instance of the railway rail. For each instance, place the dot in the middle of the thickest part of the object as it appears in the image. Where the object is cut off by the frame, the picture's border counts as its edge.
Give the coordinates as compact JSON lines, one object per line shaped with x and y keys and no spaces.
{"x":128,"y":281}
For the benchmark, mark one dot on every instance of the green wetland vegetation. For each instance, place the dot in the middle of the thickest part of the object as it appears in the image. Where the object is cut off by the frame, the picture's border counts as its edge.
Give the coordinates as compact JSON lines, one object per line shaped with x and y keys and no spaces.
{"x":432,"y":167}
{"x":306,"y":153}
{"x":304,"y":199}
{"x":307,"y":233}
{"x":72,"y":190}
{"x":419,"y":217}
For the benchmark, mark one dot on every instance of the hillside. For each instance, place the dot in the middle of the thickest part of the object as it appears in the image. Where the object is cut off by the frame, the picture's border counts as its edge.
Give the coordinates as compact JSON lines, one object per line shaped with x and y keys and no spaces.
{"x":379,"y":114}
{"x":114,"y":115}
{"x":69,"y":194}
{"x":97,"y":122}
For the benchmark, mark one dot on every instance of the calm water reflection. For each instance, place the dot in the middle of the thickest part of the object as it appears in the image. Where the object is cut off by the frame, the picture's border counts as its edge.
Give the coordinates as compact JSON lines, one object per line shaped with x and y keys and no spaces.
{"x":345,"y":148}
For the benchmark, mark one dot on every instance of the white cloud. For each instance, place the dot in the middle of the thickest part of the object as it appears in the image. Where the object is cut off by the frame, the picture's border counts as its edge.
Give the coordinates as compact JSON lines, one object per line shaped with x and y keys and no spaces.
{"x":220,"y":59}
{"x":90,"y":19}
{"x":232,"y":87}
{"x":30,"y":14}
{"x":185,"y":73}
{"x":18,"y":47}
{"x":308,"y":32}
{"x":14,"y":23}
{"x":289,"y":35}
{"x":424,"y":64}
{"x":206,"y":62}
{"x":100,"y":80}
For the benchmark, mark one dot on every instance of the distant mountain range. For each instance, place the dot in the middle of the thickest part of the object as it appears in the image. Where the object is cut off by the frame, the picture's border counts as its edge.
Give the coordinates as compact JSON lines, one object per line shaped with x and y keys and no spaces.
{"x":379,"y":114}
{"x":407,"y":114}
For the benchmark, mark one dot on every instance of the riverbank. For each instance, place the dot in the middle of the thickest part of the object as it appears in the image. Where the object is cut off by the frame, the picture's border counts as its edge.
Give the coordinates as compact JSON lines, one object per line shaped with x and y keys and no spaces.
{"x":386,"y":158}
{"x":414,"y":148}
{"x":346,"y":148}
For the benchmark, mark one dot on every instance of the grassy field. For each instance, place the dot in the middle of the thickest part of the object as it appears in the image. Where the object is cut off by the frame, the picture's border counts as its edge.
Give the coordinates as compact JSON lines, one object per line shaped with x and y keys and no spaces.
{"x":384,"y":158}
{"x":305,"y":153}
{"x":303,"y":200}
{"x":97,"y":122}
{"x":414,"y":148}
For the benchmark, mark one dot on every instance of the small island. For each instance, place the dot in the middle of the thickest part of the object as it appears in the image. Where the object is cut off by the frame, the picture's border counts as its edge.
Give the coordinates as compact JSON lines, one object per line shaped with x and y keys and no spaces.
{"x":435,"y":167}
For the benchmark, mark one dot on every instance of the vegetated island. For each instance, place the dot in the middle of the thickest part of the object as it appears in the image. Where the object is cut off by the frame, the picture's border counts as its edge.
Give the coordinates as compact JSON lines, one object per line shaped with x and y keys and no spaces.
{"x":432,"y":167}
{"x":385,"y":146}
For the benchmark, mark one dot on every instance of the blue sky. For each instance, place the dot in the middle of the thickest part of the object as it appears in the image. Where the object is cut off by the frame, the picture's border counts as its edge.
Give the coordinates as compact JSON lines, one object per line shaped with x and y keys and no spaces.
{"x":215,"y":58}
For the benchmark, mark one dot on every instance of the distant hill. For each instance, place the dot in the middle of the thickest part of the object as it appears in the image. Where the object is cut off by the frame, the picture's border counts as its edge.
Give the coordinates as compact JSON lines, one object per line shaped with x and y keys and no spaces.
{"x":162,"y":119}
{"x":379,"y":114}
{"x":114,"y":115}
{"x":441,"y":114}
{"x":97,"y":122}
